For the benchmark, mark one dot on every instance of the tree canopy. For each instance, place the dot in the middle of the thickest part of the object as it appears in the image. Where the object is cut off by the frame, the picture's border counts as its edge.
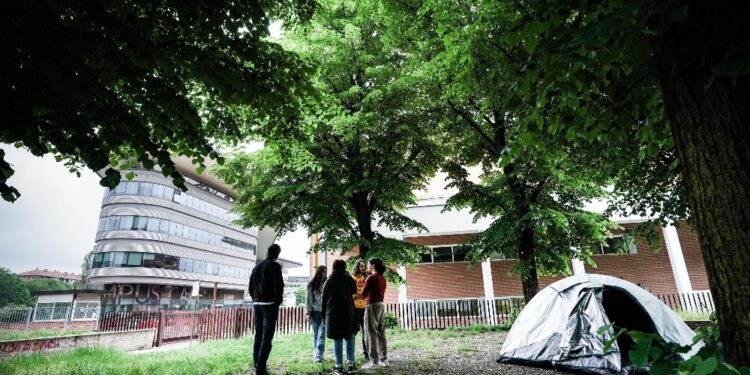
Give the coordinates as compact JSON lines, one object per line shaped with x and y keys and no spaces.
{"x":533,"y":184}
{"x":13,"y":291}
{"x":99,"y":82}
{"x":365,"y":145}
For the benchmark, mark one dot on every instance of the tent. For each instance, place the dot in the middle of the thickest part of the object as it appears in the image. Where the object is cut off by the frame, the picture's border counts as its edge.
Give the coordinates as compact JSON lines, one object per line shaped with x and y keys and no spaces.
{"x":558,"y":327}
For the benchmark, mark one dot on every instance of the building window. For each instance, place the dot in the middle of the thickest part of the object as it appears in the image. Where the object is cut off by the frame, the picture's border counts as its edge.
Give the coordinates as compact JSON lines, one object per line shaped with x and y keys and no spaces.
{"x":445,"y":254}
{"x":617,"y":245}
{"x":51,"y":311}
{"x":86,"y":311}
{"x":168,"y":262}
{"x":156,"y":225}
{"x":148,"y":189}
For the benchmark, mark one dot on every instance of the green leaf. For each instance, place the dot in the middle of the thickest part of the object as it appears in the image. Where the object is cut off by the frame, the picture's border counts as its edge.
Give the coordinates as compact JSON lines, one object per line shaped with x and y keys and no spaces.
{"x":130,"y":176}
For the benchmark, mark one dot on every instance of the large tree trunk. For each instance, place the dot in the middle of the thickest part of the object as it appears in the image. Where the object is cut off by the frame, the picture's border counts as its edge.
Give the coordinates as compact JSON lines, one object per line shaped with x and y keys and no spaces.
{"x":711,"y":127}
{"x":529,"y":277}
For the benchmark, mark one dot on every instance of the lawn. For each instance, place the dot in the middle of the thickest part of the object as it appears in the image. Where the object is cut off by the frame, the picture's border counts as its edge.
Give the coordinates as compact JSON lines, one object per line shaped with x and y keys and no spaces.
{"x":291,"y":354}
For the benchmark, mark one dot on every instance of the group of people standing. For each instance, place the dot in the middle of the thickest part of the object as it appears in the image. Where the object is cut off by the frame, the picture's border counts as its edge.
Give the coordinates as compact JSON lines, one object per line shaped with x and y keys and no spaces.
{"x":338,"y":306}
{"x":342,"y":304}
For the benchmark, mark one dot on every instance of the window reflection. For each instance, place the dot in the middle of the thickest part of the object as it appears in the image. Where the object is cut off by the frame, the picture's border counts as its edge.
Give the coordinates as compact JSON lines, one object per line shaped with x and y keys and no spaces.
{"x":153,"y":224}
{"x":149,"y":189}
{"x":168,"y":262}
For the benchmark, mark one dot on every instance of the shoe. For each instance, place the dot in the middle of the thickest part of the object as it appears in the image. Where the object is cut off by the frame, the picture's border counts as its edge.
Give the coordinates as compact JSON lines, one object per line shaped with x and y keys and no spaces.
{"x":369,"y":365}
{"x":384,"y":363}
{"x":351,"y":368}
{"x":338,"y":371}
{"x":318,"y":360}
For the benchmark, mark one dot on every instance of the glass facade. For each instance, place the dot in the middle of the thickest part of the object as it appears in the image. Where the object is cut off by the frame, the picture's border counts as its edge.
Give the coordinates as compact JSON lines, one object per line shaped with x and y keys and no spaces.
{"x":148,"y":189}
{"x":152,"y":224}
{"x":168,"y":262}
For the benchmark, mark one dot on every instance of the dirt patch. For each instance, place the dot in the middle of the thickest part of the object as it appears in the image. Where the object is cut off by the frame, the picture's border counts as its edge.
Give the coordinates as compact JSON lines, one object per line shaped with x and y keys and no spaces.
{"x":471,"y":354}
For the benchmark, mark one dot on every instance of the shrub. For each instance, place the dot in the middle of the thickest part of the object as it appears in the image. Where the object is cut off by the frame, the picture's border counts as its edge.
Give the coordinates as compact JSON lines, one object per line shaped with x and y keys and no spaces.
{"x":391,"y":320}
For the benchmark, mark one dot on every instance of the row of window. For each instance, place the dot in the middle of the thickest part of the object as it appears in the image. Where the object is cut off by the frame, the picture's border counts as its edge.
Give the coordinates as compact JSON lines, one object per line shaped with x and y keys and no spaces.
{"x":149,"y":189}
{"x":60,"y":311}
{"x":152,"y":224}
{"x":457,"y":253}
{"x":168,"y":262}
{"x":444,"y":254}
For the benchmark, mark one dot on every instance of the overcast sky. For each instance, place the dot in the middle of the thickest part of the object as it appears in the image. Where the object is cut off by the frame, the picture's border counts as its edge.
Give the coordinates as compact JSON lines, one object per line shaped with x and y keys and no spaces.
{"x":53,"y":224}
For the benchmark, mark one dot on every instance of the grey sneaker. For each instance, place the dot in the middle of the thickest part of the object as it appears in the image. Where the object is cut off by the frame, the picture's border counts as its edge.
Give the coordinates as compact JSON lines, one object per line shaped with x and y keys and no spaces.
{"x":383,"y":363}
{"x":338,"y":371}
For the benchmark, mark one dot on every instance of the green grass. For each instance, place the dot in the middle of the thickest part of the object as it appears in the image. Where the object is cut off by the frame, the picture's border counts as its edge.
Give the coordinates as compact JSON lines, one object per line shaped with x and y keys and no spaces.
{"x":693,"y":315}
{"x":291,"y":355}
{"x":20,"y":335}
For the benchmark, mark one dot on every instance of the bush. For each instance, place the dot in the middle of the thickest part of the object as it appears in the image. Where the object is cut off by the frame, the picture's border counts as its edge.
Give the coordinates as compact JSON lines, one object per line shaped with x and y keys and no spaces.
{"x":391,"y":320}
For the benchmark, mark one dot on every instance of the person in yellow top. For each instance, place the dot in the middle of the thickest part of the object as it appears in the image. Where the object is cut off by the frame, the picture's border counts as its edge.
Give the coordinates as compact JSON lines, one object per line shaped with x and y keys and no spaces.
{"x":359,"y":274}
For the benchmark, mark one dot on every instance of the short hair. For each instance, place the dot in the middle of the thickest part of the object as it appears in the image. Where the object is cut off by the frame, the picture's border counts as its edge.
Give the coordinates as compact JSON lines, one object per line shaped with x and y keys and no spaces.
{"x":378,"y":264}
{"x":274,"y":251}
{"x":339,"y":265}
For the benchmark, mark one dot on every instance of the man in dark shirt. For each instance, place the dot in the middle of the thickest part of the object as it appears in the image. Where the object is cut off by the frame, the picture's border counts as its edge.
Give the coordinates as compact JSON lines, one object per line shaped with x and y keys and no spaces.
{"x":267,"y":289}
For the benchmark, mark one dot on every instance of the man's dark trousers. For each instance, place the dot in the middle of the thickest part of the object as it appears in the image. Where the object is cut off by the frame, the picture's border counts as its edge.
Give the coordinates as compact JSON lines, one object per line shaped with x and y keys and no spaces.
{"x":264,"y":321}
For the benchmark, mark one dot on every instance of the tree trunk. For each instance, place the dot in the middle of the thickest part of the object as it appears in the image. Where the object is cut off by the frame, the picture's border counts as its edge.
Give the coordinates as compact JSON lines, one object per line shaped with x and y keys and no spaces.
{"x":529,"y":277}
{"x":711,"y":126}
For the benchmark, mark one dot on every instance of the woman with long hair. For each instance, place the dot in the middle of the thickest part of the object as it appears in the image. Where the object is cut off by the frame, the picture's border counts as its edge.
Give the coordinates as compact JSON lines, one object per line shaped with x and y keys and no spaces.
{"x":313,"y":308}
{"x":338,"y":309}
{"x":359,"y":274}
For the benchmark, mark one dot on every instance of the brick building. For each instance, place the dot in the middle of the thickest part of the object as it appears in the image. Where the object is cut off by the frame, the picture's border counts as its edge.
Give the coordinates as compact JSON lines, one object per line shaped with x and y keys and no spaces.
{"x":677,"y":267}
{"x":45,"y":274}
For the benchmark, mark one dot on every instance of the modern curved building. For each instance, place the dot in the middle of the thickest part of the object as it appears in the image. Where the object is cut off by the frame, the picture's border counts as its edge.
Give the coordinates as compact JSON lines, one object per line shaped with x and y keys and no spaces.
{"x":155,"y":241}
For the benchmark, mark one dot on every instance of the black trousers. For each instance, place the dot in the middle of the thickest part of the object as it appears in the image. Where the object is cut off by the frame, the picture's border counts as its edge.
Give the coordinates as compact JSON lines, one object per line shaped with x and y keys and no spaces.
{"x":361,"y":324}
{"x":264,"y":322}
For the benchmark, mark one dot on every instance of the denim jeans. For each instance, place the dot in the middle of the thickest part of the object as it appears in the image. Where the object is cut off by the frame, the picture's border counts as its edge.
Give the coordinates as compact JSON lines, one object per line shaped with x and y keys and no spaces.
{"x":264,"y":322}
{"x":337,"y":349}
{"x":318,"y":334}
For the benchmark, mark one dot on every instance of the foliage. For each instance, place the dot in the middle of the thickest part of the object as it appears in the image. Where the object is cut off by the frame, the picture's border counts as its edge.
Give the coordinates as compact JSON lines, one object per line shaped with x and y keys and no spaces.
{"x":364,"y":145}
{"x":300,"y":296}
{"x":98,"y":82}
{"x":85,"y":270}
{"x":13,"y":291}
{"x":391,"y":321}
{"x":34,"y":286}
{"x":534,"y":184}
{"x":650,"y":351}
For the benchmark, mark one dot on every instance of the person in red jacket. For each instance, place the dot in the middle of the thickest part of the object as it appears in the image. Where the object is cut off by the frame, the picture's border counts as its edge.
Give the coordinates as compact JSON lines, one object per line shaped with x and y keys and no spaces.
{"x":374,"y":291}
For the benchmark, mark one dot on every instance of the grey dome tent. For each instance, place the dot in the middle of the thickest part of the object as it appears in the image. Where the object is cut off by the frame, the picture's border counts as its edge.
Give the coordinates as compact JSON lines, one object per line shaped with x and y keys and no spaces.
{"x":558,"y":327}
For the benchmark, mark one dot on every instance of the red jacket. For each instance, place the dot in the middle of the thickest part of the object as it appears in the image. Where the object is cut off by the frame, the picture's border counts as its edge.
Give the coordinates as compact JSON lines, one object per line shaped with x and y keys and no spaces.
{"x":374,"y":289}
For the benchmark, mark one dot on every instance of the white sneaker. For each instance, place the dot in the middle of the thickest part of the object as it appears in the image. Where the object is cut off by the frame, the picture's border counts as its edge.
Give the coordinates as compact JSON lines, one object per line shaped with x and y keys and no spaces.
{"x":384,"y":363}
{"x":369,"y":365}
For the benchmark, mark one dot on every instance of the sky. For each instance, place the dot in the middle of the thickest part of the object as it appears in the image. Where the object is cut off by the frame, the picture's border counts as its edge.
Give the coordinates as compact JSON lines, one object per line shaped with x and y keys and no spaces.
{"x":53,"y":224}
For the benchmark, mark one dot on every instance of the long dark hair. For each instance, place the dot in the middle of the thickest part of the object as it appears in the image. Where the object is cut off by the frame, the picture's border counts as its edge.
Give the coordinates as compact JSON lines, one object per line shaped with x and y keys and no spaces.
{"x":318,"y":278}
{"x":355,"y":269}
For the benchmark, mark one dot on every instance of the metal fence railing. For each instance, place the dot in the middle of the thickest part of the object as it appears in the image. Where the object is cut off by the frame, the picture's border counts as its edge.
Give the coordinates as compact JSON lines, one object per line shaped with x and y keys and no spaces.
{"x":56,"y":317}
{"x":237,"y":322}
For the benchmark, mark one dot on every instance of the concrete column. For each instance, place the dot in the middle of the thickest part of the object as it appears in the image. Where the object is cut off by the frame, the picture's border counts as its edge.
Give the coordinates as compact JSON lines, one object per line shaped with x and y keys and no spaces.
{"x":402,"y":296}
{"x":403,"y":299}
{"x":676,"y":259}
{"x":578,"y":267}
{"x":489,"y":291}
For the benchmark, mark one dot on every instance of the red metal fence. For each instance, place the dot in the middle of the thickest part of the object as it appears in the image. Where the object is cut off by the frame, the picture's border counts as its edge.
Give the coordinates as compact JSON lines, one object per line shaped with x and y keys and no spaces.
{"x":438,"y":314}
